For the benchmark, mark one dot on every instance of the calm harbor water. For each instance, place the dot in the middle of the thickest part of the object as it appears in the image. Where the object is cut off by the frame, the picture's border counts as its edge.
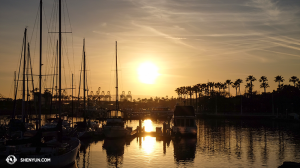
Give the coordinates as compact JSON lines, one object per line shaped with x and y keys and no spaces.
{"x":219,"y":143}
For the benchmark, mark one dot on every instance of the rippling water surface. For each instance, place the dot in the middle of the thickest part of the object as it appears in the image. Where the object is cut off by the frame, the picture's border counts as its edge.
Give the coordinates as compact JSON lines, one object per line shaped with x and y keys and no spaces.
{"x":219,"y":143}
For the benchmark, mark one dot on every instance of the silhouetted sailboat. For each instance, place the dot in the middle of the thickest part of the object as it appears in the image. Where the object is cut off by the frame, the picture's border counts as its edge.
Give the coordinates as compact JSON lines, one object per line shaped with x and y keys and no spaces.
{"x":86,"y":128}
{"x":114,"y":127}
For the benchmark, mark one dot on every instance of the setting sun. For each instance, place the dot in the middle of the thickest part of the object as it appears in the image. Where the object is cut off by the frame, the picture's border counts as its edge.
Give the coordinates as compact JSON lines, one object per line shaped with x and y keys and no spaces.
{"x":148,"y":72}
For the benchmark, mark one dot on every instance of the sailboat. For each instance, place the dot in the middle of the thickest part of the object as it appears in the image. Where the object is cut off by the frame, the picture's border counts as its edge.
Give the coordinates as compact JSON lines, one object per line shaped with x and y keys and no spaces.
{"x":114,"y":127}
{"x":71,"y":146}
{"x":85,"y":129}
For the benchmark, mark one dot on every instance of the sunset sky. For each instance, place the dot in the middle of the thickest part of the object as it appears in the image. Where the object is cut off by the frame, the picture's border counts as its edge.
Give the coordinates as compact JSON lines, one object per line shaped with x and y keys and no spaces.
{"x":185,"y":42}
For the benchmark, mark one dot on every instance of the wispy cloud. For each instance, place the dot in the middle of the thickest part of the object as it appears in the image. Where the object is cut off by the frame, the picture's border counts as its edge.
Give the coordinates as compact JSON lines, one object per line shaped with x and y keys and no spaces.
{"x":268,"y":7}
{"x":176,"y":40}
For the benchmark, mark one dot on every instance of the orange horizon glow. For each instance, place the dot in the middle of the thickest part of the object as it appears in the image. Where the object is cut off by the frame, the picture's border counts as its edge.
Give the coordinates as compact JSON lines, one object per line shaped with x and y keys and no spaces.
{"x":161,"y":45}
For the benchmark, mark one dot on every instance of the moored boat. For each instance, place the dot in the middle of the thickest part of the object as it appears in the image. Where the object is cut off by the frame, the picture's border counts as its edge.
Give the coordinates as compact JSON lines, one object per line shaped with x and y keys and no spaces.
{"x":184,"y":121}
{"x":114,"y":127}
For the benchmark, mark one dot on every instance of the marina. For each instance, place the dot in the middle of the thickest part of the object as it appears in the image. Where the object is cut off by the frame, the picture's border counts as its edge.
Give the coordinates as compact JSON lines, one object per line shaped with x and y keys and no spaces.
{"x":219,"y":143}
{"x":135,"y":84}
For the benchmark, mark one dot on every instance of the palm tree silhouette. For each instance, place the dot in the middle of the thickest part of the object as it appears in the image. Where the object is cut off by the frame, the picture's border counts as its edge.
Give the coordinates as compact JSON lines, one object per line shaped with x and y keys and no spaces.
{"x":239,"y":81}
{"x":210,"y":85}
{"x":190,"y":90}
{"x":298,"y":84}
{"x":248,"y":85}
{"x":218,"y":85}
{"x":228,"y":82}
{"x":251,"y":79}
{"x":223,"y":86}
{"x":235,"y":85}
{"x":294,"y":79}
{"x":279,"y":79}
{"x":204,"y":88}
{"x":196,"y":89}
{"x":264,"y":84}
{"x":184,"y":92}
{"x":178,"y":91}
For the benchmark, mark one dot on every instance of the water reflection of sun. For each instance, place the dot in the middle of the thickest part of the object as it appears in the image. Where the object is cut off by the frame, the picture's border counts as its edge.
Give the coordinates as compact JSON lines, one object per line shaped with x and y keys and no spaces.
{"x":148,"y":125}
{"x":148,"y":144}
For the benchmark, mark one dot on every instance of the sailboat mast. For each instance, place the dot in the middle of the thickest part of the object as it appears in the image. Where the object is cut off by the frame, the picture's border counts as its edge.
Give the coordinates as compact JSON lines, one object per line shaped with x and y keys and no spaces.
{"x":117,"y":104}
{"x":40,"y":75}
{"x":59,"y":50}
{"x":59,"y":78}
{"x":84,"y":80}
{"x":56,"y":72}
{"x":23,"y":96}
{"x":27,"y":90}
{"x":15,"y":83}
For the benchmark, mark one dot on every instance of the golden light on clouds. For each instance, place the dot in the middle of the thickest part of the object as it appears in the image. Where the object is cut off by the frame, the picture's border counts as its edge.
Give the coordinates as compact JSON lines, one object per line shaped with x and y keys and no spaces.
{"x":147,"y":72}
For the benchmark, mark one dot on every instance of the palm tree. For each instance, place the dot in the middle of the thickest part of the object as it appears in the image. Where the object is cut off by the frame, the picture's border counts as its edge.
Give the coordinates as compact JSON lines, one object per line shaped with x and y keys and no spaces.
{"x":235,"y":85}
{"x":223,"y":86}
{"x":248,"y":85}
{"x":201,"y":89}
{"x":264,"y":84}
{"x":196,"y":89}
{"x":218,"y":85}
{"x":183,"y":92}
{"x":279,"y":79}
{"x":298,"y":84}
{"x":190,"y":90}
{"x":294,"y":79}
{"x":228,"y":82}
{"x":178,"y":91}
{"x":204,"y":87}
{"x":239,"y":81}
{"x":210,"y":85}
{"x":251,"y":79}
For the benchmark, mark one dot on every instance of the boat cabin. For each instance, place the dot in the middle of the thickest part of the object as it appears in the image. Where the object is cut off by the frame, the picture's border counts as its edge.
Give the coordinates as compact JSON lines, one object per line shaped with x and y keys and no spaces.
{"x":115,"y":114}
{"x":184,"y":120}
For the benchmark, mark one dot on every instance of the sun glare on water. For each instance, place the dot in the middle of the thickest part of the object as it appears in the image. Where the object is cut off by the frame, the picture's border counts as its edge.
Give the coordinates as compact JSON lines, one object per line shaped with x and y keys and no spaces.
{"x":147,"y":72}
{"x":148,"y":144}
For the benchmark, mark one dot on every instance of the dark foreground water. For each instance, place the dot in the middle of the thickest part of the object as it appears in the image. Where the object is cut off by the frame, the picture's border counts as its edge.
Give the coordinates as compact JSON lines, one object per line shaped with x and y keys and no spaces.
{"x":219,"y":143}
